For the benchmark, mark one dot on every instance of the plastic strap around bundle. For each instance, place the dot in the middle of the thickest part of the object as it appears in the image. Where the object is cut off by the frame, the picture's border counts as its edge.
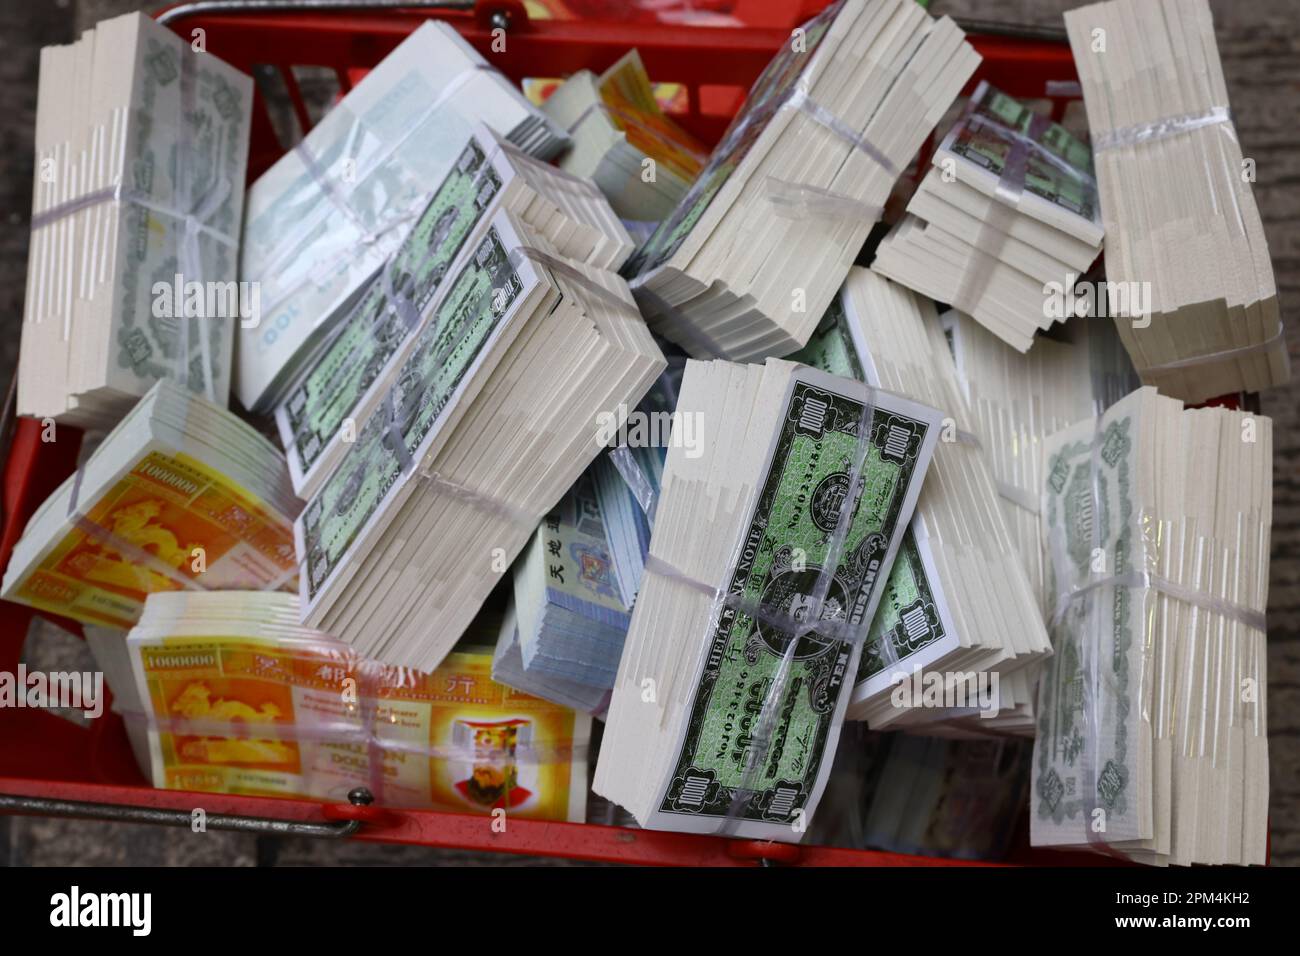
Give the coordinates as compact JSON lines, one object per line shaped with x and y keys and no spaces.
{"x":1163,"y":129}
{"x":194,"y":221}
{"x":364,"y":732}
{"x":393,"y":438}
{"x":798,"y":201}
{"x":192,"y":211}
{"x":812,"y":621}
{"x":1019,"y":497}
{"x":836,"y":630}
{"x":995,"y":229}
{"x":142,"y":561}
{"x":337,"y":197}
{"x":1146,"y":580}
{"x":746,"y":605}
{"x":770,"y":713}
{"x":801,"y":201}
{"x":395,"y":414}
{"x":790,"y":200}
{"x":560,"y":267}
{"x":1155,"y":131}
{"x":632,"y":474}
{"x":340,"y":195}
{"x":291,"y":248}
{"x":1222,"y":356}
{"x":1030,"y":144}
{"x":801,"y":99}
{"x":1090,"y":652}
{"x":397,"y":297}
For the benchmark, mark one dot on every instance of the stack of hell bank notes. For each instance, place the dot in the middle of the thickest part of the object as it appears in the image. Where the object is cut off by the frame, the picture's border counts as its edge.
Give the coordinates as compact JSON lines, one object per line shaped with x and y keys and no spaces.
{"x":141,"y":150}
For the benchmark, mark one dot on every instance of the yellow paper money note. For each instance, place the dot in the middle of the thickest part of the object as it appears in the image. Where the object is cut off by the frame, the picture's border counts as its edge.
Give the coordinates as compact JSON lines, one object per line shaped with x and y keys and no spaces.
{"x":168,"y":524}
{"x":310,"y":719}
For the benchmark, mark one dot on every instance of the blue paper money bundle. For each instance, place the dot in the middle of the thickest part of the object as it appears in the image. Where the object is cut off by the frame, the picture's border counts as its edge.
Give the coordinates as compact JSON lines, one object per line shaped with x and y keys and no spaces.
{"x":572,"y":619}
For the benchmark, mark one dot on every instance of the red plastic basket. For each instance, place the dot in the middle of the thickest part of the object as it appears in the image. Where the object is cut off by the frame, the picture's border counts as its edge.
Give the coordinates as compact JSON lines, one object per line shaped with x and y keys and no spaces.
{"x":53,"y":767}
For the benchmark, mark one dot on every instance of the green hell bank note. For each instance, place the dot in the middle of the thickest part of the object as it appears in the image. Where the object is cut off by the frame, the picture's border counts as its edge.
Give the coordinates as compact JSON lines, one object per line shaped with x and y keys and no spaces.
{"x":446,"y":354}
{"x":831,"y":347}
{"x":767,"y":94}
{"x":980,"y":144}
{"x":1086,"y":747}
{"x":782,"y":557}
{"x":374,"y":331}
{"x":911,"y":615}
{"x":187,"y":146}
{"x":909,"y":618}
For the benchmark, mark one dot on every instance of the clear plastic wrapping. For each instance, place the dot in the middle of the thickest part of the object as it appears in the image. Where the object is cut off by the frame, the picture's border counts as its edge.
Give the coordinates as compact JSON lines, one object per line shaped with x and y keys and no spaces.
{"x":1145,"y":133}
{"x":193,"y":195}
{"x":809,"y":617}
{"x":996,"y":228}
{"x":1154,"y":699}
{"x":290,"y":714}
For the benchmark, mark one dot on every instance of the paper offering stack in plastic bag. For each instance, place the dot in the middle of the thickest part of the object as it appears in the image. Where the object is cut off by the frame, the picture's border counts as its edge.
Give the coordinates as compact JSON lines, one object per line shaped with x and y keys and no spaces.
{"x":227,"y":693}
{"x":1182,"y":223}
{"x":1007,"y":209}
{"x":1152,"y":712}
{"x":326,"y":217}
{"x":815,"y":557}
{"x":789,"y":195}
{"x":141,"y":150}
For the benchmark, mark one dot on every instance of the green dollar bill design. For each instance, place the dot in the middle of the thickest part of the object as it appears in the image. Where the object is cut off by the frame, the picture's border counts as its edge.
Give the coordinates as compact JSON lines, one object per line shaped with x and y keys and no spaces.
{"x":907,"y":617}
{"x":374,"y":331}
{"x":477,"y":302}
{"x":805,"y":486}
{"x":770,"y":90}
{"x":980,"y":144}
{"x":1085,"y":761}
{"x":831,"y":346}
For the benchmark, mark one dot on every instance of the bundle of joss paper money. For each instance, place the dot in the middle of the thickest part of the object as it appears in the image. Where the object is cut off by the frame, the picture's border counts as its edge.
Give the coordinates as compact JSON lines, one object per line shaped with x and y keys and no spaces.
{"x":137,"y":204}
{"x":1183,"y":229}
{"x":1008,"y":208}
{"x":623,"y":142}
{"x":225,"y":692}
{"x":686,"y":513}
